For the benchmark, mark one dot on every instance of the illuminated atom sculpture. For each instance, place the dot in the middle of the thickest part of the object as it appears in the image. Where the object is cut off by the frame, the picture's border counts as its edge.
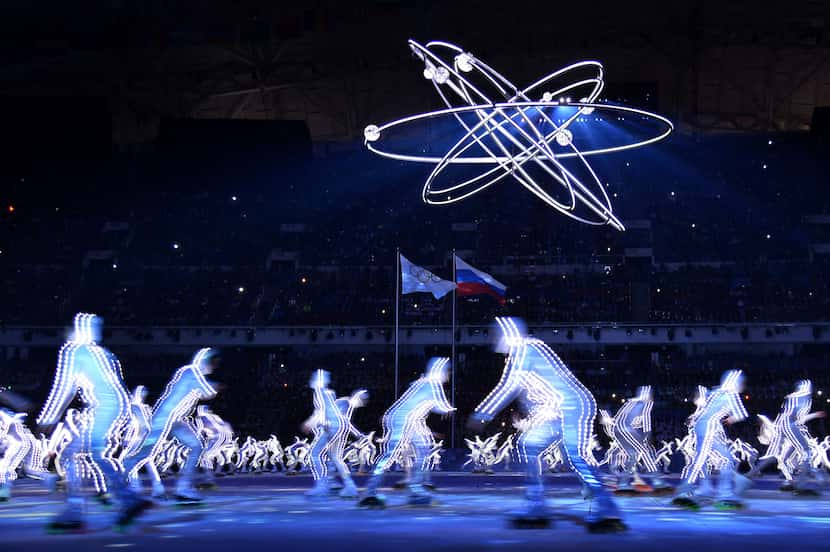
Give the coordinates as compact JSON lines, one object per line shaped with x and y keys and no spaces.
{"x":525,"y":133}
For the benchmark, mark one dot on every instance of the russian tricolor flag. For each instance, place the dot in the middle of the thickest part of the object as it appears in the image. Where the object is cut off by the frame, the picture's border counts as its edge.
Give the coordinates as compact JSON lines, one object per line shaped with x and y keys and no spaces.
{"x":472,"y":281}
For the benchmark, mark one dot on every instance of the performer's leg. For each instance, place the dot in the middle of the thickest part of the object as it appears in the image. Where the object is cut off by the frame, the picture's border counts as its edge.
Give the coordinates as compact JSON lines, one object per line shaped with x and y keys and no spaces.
{"x":392,"y":445}
{"x":187,"y":436}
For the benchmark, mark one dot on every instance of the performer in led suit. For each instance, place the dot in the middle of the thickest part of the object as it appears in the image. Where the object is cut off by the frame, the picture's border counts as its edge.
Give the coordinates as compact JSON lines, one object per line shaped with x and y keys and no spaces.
{"x":631,"y":429}
{"x":331,"y":425}
{"x":91,"y":372}
{"x":135,"y":435}
{"x":172,"y":418}
{"x":790,"y":439}
{"x":22,"y":449}
{"x":217,"y":435}
{"x":404,"y":425}
{"x":723,"y":405}
{"x":557,"y":406}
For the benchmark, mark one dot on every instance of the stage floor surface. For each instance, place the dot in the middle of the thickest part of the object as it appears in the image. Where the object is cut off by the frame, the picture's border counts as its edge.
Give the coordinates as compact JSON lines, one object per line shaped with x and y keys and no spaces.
{"x":249,"y":512}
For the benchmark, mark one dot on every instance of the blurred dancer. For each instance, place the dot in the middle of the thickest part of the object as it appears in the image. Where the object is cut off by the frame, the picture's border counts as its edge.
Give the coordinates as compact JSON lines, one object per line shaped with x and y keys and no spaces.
{"x":172,"y":417}
{"x":331,"y":425}
{"x":93,"y":374}
{"x":557,"y":406}
{"x":723,"y":405}
{"x":790,"y":439}
{"x":404,"y":425}
{"x":631,"y":429}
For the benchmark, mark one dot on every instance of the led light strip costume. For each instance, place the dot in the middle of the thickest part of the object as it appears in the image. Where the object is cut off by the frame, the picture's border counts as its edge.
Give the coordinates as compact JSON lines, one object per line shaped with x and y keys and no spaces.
{"x":362,"y":453}
{"x":789,"y":440}
{"x":94,"y":374}
{"x":172,"y":418}
{"x":22,"y":450}
{"x":404,"y":425}
{"x":297,"y":456}
{"x":331,"y":424}
{"x":557,"y":406}
{"x":485,"y":454}
{"x":275,"y":453}
{"x":712,"y":446}
{"x":631,"y":429}
{"x":216,"y":434}
{"x":513,"y":130}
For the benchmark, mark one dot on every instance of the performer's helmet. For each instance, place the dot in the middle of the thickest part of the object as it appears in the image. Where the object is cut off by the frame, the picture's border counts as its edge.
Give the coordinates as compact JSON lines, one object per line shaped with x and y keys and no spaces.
{"x":508,"y":333}
{"x":139,"y":394}
{"x":319,"y":379}
{"x":87,"y":328}
{"x":644,"y":393}
{"x":437,"y":369}
{"x":732,"y":380}
{"x":204,"y":359}
{"x":804,"y":386}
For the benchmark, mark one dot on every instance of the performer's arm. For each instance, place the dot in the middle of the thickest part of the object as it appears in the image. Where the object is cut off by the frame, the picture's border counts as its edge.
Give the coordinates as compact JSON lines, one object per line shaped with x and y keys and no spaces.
{"x":440,"y":403}
{"x":812,"y":416}
{"x":647,"y":416}
{"x":503,"y":394}
{"x":64,"y":388}
{"x":736,"y":408}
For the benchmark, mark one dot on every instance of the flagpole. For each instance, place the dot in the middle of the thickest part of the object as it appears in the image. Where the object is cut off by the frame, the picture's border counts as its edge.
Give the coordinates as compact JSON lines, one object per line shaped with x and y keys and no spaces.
{"x":452,"y":353}
{"x":397,"y":309}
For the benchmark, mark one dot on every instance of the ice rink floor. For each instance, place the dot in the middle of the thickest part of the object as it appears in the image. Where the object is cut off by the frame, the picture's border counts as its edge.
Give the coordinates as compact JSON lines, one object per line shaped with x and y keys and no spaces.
{"x":269,"y":512}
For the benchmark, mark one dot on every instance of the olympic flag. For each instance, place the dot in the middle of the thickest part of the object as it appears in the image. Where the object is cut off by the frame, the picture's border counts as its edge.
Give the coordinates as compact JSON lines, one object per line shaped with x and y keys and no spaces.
{"x":416,"y":279}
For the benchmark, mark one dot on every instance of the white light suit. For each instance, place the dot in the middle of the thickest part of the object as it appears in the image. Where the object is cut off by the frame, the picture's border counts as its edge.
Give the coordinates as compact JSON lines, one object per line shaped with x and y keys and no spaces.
{"x":631,"y":429}
{"x":22,"y":450}
{"x":332,"y":425}
{"x":404,"y":425}
{"x":94,"y":374}
{"x":789,"y":444}
{"x":711,"y":444}
{"x":172,"y":417}
{"x":557,"y":406}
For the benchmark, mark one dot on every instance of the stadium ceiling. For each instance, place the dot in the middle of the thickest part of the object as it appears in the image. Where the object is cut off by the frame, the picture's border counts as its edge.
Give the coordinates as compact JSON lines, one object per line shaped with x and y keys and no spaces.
{"x":718,"y":66}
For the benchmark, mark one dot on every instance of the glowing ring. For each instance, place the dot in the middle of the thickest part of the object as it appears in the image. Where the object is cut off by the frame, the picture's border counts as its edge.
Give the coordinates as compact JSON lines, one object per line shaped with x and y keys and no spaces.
{"x":506,"y":126}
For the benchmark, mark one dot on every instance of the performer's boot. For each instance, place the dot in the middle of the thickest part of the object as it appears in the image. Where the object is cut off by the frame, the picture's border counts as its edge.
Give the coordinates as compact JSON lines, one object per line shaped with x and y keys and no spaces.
{"x":726,"y":498}
{"x":684,"y":496}
{"x":104,"y":498}
{"x":604,"y":516}
{"x":371,"y":498}
{"x":534,"y":513}
{"x":624,"y":485}
{"x":660,"y":486}
{"x":705,"y":489}
{"x":742,"y":484}
{"x":349,"y":490}
{"x":419,"y":496}
{"x":185,"y":493}
{"x":159,"y":492}
{"x":5,"y":492}
{"x":320,"y":489}
{"x":132,"y":507}
{"x":71,"y":519}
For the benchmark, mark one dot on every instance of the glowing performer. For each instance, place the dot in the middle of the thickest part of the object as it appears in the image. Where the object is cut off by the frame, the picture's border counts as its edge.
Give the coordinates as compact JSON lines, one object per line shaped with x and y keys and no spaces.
{"x":790,"y":438}
{"x":22,"y":449}
{"x":557,"y":406}
{"x":92,"y":373}
{"x":723,"y":405}
{"x":331,"y":424}
{"x":172,"y":418}
{"x":632,"y":431}
{"x":404,"y":425}
{"x":217,"y":434}
{"x":134,"y":437}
